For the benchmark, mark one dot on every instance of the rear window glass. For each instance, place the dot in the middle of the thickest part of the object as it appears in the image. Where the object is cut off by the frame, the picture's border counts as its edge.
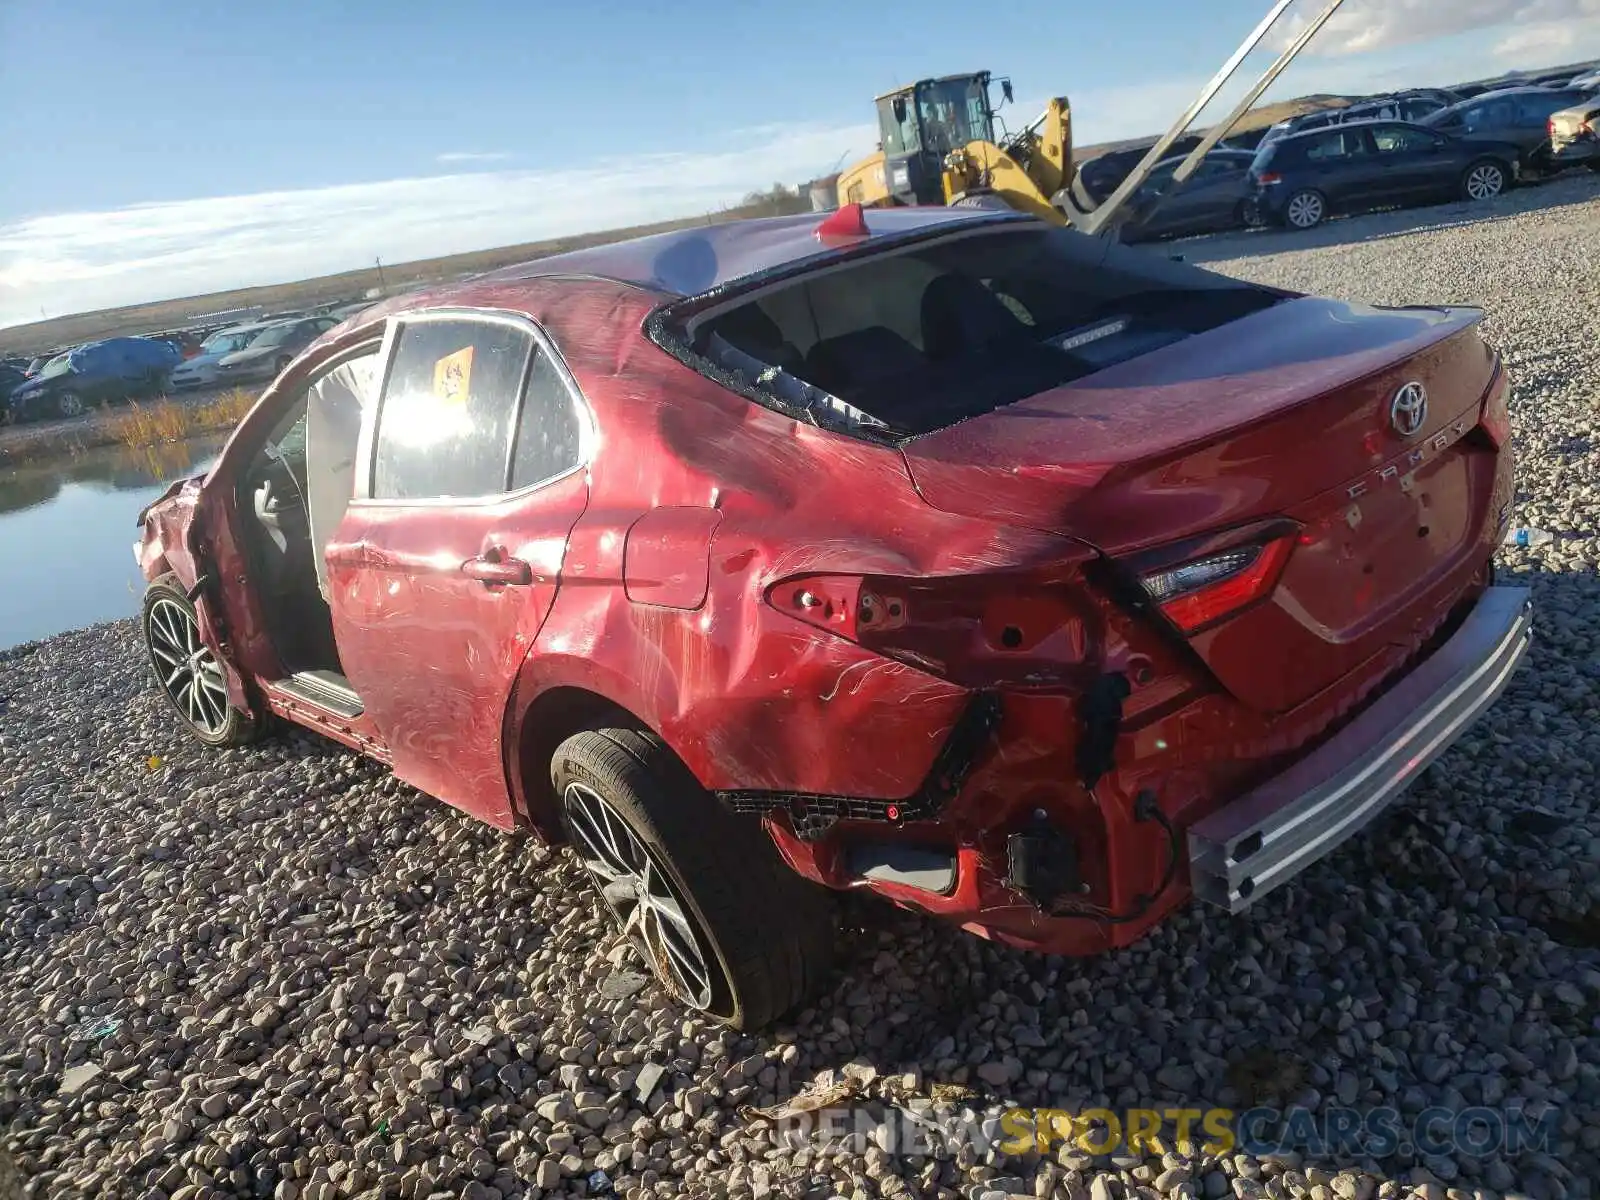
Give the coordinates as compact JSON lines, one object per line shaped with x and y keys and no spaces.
{"x":907,"y":342}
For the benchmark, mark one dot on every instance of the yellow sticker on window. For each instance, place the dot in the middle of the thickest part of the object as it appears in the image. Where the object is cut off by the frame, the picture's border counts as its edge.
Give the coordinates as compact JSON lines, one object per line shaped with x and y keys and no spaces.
{"x":452,"y":378}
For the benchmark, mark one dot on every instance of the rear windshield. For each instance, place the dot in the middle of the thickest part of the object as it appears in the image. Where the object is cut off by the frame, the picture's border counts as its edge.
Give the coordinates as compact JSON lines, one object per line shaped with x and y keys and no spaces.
{"x":903,"y":343}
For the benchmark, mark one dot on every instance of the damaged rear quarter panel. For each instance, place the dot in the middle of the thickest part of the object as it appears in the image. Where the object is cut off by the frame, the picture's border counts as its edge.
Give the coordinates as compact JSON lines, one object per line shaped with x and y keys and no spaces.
{"x":749,"y":697}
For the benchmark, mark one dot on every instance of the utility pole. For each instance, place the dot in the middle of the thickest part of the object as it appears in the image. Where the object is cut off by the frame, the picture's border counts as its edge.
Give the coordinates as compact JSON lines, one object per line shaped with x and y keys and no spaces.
{"x":382,"y":287}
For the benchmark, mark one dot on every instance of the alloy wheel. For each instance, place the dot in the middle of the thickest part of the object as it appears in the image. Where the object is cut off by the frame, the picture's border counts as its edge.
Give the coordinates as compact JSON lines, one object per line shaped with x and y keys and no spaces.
{"x":637,"y":889}
{"x":189,"y":672}
{"x":69,"y":404}
{"x":1485,"y":181}
{"x":1305,"y":210}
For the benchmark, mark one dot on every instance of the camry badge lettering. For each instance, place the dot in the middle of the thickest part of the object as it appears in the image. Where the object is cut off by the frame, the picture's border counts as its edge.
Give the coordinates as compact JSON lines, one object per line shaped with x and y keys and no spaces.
{"x":1413,"y":459}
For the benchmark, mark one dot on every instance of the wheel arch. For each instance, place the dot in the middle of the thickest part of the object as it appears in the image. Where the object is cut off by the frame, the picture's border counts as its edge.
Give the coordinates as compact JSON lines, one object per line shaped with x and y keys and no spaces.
{"x":1508,"y":164}
{"x":543,"y":713}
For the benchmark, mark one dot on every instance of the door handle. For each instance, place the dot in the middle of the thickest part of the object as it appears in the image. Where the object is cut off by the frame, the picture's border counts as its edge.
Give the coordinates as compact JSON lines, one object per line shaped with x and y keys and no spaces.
{"x":492,"y":568}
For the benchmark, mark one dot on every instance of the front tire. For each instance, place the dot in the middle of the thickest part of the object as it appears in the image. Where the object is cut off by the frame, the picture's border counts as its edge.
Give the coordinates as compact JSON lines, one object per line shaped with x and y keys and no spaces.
{"x":69,"y":404}
{"x":1483,"y":180}
{"x":701,"y":893}
{"x":188,"y":673}
{"x":1305,"y":210}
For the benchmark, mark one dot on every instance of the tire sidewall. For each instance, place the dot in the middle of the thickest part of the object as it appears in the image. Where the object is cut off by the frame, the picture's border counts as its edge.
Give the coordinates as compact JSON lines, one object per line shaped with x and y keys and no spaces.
{"x":567,"y":768}
{"x":238,"y":727}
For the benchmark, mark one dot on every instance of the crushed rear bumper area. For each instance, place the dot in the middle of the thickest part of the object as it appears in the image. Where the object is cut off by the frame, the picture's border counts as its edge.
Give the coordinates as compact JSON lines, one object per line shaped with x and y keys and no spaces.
{"x":1268,"y":836}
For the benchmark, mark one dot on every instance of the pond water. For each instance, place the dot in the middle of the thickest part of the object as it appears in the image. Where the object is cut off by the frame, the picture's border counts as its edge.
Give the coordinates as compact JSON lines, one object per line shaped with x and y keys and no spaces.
{"x":67,"y":533}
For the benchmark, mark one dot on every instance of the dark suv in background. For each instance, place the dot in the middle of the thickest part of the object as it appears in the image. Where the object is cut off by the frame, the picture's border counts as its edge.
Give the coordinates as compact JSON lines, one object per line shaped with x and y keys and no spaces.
{"x":1517,"y":115}
{"x":1302,"y":179}
{"x":124,"y":368}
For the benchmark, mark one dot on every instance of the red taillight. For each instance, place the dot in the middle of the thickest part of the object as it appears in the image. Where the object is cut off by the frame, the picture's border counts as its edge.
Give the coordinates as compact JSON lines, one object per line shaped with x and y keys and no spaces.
{"x":1268,"y":177}
{"x":1016,"y":629}
{"x":1197,"y":594}
{"x":1495,"y":419}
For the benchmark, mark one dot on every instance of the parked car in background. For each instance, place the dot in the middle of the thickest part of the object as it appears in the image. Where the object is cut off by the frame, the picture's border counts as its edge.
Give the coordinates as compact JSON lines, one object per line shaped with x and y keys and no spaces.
{"x":1515,"y":115}
{"x":95,"y":373}
{"x":1444,"y":97}
{"x":201,"y":370}
{"x":1216,"y":197}
{"x":1302,"y":179}
{"x":1589,"y":81}
{"x":1100,"y":176}
{"x":963,"y":562}
{"x":270,"y":350}
{"x":1406,"y":107}
{"x":1307,"y":121}
{"x":1573,"y":136}
{"x":186,"y":344}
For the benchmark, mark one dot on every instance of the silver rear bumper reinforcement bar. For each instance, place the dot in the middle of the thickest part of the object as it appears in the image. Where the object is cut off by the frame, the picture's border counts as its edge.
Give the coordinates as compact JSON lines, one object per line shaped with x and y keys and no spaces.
{"x":1269,"y":835}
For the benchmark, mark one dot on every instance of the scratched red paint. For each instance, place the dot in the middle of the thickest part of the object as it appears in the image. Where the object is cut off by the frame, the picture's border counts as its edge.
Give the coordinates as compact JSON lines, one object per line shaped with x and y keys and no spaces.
{"x":652,"y":571}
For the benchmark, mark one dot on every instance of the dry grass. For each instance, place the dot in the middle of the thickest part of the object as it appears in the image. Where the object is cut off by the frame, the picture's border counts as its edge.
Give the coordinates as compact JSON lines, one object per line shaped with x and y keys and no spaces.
{"x":162,"y":421}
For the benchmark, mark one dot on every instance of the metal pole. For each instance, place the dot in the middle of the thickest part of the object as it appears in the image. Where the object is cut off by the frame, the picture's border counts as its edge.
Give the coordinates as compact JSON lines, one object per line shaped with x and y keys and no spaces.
{"x":1187,"y":167}
{"x":1097,"y":220}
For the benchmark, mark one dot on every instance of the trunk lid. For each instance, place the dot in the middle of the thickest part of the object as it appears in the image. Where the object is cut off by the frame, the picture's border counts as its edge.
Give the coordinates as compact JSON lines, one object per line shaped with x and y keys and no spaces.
{"x":1289,"y":412}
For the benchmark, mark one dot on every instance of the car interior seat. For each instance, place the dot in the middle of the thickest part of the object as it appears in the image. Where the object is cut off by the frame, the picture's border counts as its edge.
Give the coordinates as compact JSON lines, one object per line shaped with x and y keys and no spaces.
{"x":961,"y":318}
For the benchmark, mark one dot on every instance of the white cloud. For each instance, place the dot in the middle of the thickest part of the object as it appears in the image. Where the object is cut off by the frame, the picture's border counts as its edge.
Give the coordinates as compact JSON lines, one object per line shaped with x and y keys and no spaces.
{"x":74,"y":262}
{"x":1546,"y":41}
{"x":472,"y":156}
{"x":1363,"y":25}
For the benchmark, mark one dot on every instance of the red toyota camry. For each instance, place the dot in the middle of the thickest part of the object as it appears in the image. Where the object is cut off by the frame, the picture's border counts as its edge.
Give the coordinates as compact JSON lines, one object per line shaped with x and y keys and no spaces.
{"x":1023,"y":578}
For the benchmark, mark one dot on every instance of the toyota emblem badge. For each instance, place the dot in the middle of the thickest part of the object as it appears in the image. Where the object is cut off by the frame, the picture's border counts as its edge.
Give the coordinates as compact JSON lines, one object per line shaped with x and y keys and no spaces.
{"x":1408,"y":412}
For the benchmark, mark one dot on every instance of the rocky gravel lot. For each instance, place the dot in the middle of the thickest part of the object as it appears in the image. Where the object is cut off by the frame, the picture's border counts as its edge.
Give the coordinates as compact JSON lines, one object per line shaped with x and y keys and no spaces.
{"x":277,"y":972}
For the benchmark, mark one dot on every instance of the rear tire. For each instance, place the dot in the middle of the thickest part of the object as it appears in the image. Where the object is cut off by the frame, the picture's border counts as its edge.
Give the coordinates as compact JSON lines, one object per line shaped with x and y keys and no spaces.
{"x":186,"y":670}
{"x":701,"y":893}
{"x":1483,"y":180}
{"x":1305,"y":209}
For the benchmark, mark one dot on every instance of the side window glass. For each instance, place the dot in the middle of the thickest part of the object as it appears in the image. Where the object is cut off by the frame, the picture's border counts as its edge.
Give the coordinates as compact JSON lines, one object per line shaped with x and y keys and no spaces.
{"x":446,"y":415}
{"x":1395,"y":140}
{"x":549,"y":434}
{"x":1332,"y":146}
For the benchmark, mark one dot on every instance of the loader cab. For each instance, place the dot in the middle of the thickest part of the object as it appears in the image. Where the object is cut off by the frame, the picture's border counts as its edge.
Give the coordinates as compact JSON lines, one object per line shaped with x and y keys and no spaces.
{"x":920,"y":124}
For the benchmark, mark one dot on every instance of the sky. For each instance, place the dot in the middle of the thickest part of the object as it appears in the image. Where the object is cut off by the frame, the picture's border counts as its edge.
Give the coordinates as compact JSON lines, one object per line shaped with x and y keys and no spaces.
{"x":162,"y":148}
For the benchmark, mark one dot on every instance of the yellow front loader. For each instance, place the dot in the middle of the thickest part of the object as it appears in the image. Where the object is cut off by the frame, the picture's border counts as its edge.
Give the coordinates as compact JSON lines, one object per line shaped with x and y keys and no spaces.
{"x":937,"y":145}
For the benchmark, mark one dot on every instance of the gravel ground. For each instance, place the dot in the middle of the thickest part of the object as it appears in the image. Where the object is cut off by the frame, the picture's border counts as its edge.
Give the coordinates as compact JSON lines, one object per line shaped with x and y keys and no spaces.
{"x":279,"y":972}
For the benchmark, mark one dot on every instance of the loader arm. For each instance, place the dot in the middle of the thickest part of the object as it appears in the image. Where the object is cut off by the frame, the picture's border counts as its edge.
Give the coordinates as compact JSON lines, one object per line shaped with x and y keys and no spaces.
{"x":1025,"y":175}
